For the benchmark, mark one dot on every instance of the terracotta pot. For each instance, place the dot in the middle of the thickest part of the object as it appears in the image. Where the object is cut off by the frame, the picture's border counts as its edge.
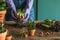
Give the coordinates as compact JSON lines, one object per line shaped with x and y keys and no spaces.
{"x":2,"y":15}
{"x":3,"y":35}
{"x":25,"y":35}
{"x":31,"y":32}
{"x":9,"y":37}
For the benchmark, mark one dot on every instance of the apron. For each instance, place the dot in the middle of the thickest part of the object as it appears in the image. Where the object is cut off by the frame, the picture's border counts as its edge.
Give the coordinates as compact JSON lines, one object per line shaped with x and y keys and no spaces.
{"x":19,"y":4}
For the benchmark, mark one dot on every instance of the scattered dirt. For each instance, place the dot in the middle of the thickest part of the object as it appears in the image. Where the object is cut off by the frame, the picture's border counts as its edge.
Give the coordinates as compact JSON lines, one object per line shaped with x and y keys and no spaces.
{"x":39,"y":35}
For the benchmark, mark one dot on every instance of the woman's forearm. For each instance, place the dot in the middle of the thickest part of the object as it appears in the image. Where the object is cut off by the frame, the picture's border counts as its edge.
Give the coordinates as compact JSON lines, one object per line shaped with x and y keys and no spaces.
{"x":27,"y":14}
{"x":11,"y":5}
{"x":13,"y":16}
{"x":30,"y":4}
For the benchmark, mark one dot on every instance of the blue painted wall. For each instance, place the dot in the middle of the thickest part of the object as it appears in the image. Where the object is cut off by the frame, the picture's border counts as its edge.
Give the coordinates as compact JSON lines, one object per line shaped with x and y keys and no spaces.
{"x":48,"y":9}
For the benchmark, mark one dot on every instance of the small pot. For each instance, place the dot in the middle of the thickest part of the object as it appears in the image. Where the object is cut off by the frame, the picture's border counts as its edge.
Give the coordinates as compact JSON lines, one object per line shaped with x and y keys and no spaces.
{"x":9,"y":37}
{"x":3,"y":35}
{"x":25,"y":34}
{"x":2,"y":15}
{"x":31,"y":32}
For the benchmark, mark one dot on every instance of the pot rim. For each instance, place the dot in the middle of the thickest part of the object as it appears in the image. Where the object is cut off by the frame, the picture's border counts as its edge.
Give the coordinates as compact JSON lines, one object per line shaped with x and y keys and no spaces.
{"x":4,"y":31}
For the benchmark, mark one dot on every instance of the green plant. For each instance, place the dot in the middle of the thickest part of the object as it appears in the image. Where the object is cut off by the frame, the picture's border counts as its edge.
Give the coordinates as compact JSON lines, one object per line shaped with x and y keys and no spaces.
{"x":19,"y":21}
{"x":26,"y":33}
{"x":1,"y":28}
{"x":8,"y":33}
{"x":2,"y":5}
{"x":48,"y":23}
{"x":31,"y":25}
{"x":21,"y":35}
{"x":20,"y":14}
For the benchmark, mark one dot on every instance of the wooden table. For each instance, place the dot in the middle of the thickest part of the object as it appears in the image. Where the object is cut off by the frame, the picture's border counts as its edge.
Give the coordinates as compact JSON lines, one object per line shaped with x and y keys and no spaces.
{"x":16,"y":30}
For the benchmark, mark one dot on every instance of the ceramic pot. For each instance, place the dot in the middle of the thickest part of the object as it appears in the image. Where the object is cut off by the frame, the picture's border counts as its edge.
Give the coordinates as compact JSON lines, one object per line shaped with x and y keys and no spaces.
{"x":2,"y":15}
{"x":3,"y":35}
{"x":31,"y":32}
{"x":9,"y":37}
{"x":25,"y":35}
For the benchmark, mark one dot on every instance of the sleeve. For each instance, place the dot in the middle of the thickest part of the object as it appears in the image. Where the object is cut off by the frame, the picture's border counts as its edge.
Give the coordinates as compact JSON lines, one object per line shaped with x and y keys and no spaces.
{"x":27,"y":13}
{"x":11,"y":5}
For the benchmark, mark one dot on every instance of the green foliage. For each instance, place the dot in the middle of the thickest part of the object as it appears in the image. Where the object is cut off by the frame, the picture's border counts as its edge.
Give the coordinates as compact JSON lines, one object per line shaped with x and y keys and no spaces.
{"x":2,"y":5}
{"x":20,"y":11}
{"x":8,"y":33}
{"x":21,"y":35}
{"x":31,"y":25}
{"x":45,"y":25}
{"x":48,"y":23}
{"x":2,"y":0}
{"x":26,"y":32}
{"x":1,"y":28}
{"x":19,"y":20}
